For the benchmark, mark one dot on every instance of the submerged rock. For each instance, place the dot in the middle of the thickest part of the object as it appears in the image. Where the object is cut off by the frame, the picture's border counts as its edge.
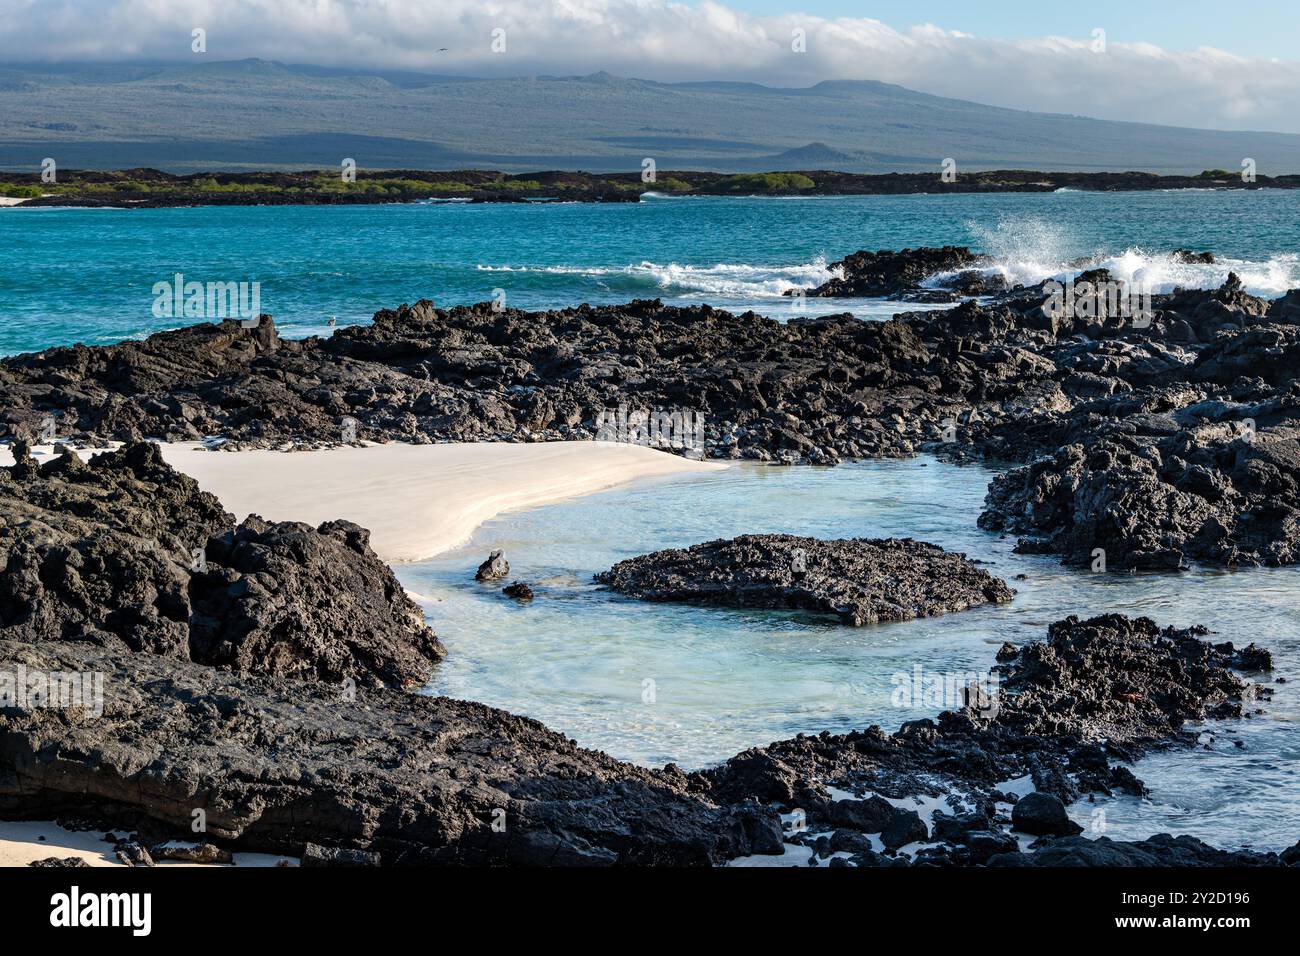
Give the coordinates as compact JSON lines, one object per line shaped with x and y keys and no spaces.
{"x":859,"y":580}
{"x":520,"y":591}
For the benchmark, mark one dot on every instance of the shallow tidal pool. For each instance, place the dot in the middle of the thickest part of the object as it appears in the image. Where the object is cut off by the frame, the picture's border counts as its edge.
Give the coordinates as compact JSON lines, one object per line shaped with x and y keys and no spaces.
{"x":660,"y":683}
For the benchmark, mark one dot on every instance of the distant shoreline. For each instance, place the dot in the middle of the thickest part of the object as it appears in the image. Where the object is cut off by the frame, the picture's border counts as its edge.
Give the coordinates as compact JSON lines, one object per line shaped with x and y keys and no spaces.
{"x":151,"y":188}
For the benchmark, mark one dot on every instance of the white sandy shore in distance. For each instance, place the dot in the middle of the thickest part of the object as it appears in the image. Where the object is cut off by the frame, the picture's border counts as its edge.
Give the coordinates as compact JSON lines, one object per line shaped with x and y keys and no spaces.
{"x":24,"y":841}
{"x":417,"y":501}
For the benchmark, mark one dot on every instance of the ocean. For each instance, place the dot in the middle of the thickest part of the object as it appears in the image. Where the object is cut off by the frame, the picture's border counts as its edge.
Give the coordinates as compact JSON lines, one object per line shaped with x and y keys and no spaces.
{"x":658,"y":683}
{"x":88,"y":275}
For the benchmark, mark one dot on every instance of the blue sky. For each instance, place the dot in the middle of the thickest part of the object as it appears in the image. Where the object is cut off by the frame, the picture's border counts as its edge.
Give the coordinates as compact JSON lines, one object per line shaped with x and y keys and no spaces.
{"x":1259,"y":28}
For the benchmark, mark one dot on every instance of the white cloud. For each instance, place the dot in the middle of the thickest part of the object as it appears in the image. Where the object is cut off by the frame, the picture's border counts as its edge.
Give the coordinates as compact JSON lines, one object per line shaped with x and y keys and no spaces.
{"x":657,"y":39}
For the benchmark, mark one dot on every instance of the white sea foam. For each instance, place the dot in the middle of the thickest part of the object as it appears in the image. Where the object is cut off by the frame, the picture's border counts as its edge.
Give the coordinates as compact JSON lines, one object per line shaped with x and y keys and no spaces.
{"x":727,"y":279}
{"x":1027,"y":251}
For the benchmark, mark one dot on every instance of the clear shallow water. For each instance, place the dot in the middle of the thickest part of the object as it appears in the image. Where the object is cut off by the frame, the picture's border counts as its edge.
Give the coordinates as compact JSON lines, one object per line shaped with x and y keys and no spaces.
{"x":87,"y":274}
{"x":578,"y":657}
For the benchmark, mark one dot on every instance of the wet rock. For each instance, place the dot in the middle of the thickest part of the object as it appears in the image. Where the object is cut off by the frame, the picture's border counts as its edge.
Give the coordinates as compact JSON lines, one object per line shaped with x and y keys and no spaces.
{"x":191,"y":853}
{"x":861,"y":581}
{"x":1161,"y":850}
{"x":1094,"y":693}
{"x":520,"y":591}
{"x":1042,"y":814}
{"x":315,"y":855}
{"x":494,"y":568}
{"x":892,"y":274}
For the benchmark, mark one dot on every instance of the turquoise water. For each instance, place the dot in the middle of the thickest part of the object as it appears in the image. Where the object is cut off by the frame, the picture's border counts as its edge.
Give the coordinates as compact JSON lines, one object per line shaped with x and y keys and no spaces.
{"x":87,"y":274}
{"x":578,"y":658}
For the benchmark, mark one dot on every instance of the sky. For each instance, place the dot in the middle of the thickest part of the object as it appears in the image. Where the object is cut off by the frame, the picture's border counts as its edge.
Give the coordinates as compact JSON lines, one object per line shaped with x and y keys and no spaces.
{"x":1265,"y":29}
{"x":1176,"y":62}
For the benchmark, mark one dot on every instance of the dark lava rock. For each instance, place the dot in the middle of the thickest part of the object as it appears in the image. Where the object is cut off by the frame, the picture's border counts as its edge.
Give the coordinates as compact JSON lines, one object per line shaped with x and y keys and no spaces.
{"x":59,"y":861}
{"x":892,"y":274}
{"x":981,"y":845}
{"x":133,"y":854}
{"x":520,"y":591}
{"x":1161,"y":438}
{"x":904,"y":827}
{"x":861,"y":581}
{"x":125,"y":553}
{"x":870,"y":816}
{"x":1042,"y":814}
{"x":277,"y":763}
{"x":1094,"y":692}
{"x":494,"y":568}
{"x":1161,"y":850}
{"x":191,"y":853}
{"x":315,"y":855}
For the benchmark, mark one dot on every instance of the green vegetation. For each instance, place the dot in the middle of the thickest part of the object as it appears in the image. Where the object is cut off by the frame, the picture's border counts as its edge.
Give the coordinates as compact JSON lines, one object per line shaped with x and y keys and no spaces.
{"x":20,"y":192}
{"x":1216,"y":174}
{"x":765,"y":183}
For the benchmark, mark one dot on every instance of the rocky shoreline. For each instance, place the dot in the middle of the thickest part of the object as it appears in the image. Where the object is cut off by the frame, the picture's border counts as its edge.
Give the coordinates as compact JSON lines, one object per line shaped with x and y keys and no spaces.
{"x":1160,"y":442}
{"x":144,"y":188}
{"x":294,"y":730}
{"x":257,"y":672}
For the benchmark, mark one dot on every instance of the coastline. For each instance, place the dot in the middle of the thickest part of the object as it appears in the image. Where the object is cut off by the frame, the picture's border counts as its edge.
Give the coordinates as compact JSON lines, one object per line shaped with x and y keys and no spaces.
{"x":154,"y":189}
{"x":417,"y":501}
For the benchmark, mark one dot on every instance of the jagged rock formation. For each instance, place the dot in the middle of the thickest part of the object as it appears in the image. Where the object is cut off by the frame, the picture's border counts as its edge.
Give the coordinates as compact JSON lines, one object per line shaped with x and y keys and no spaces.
{"x":277,"y":763}
{"x":125,"y":553}
{"x":1069,"y":712}
{"x":887,"y":274}
{"x":859,"y":580}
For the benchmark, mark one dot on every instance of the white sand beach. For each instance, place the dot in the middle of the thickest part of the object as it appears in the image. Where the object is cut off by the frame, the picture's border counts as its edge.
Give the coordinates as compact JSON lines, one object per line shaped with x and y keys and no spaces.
{"x":22,"y":842}
{"x":417,"y":500}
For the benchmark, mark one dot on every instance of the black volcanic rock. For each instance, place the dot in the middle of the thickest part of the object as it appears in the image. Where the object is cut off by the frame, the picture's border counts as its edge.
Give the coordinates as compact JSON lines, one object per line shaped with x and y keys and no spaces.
{"x":893,"y":274}
{"x":520,"y":591}
{"x":278,"y":763}
{"x":1013,"y":379}
{"x":1069,"y":712}
{"x":125,"y":553}
{"x":859,"y":580}
{"x":1043,"y":814}
{"x":494,"y":568}
{"x":1161,"y":850}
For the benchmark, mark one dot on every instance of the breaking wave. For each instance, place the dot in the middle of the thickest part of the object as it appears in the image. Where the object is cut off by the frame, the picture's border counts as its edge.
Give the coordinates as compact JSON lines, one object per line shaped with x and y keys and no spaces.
{"x":725,"y":279}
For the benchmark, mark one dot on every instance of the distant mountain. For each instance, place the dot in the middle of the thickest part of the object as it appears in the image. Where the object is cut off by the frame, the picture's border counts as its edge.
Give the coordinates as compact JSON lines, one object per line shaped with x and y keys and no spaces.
{"x":257,"y":113}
